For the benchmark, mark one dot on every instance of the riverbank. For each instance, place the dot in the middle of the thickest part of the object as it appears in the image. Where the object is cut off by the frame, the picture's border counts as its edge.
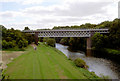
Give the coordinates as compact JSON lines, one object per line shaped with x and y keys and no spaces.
{"x":111,"y":54}
{"x":45,"y":63}
{"x":100,"y":66}
{"x":107,"y":53}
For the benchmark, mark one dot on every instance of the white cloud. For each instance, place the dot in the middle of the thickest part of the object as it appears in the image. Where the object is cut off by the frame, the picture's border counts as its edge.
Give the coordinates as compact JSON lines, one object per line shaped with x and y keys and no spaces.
{"x":24,"y":2}
{"x":70,"y":12}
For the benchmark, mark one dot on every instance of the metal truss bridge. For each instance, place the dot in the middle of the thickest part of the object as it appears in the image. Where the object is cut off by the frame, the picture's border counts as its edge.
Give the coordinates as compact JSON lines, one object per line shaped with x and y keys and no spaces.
{"x":67,"y":32}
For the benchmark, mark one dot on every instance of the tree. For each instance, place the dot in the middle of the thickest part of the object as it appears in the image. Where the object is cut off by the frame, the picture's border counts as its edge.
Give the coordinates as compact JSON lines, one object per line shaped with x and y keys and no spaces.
{"x":26,"y":28}
{"x":114,"y":36}
{"x":77,"y":43}
{"x":25,"y":43}
{"x":5,"y":44}
{"x":97,"y":40}
{"x":45,"y":39}
{"x":64,"y":41}
{"x":20,"y":44}
{"x":51,"y":42}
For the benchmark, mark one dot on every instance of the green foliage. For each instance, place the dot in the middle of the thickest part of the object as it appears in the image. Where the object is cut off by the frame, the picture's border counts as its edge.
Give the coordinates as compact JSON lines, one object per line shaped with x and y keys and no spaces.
{"x":15,"y":38}
{"x":5,"y":44}
{"x":97,"y":40}
{"x":114,"y":36}
{"x":25,"y":43}
{"x":41,"y":39}
{"x":64,"y":41}
{"x":77,"y":43}
{"x":45,"y":39}
{"x":87,"y":25}
{"x":20,"y":44}
{"x":12,"y":43}
{"x":26,"y":28}
{"x":28,"y":37}
{"x":51,"y":42}
{"x":113,"y":51}
{"x":112,"y":40}
{"x":80,"y":63}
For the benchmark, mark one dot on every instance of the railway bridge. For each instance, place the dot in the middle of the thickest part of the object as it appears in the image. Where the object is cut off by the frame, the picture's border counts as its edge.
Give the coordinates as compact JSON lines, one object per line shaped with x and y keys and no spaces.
{"x":87,"y":33}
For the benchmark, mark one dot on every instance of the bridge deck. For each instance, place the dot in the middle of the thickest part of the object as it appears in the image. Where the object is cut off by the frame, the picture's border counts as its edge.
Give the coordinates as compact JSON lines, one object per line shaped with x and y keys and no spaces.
{"x":67,"y":32}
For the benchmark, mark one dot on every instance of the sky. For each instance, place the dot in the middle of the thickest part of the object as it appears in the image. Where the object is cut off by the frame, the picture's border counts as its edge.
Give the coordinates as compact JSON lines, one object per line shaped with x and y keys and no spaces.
{"x":40,"y":14}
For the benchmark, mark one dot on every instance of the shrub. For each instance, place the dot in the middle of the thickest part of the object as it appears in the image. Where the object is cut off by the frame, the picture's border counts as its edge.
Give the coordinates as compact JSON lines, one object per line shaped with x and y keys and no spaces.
{"x":20,"y":44}
{"x":11,"y":44}
{"x":45,"y":39}
{"x":64,"y":41}
{"x":51,"y":42}
{"x":80,"y":63}
{"x":5,"y":44}
{"x":25,"y":43}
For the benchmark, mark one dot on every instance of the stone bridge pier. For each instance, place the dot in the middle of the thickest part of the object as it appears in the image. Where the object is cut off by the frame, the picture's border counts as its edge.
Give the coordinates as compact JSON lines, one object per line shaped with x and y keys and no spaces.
{"x":89,"y":43}
{"x":36,"y":38}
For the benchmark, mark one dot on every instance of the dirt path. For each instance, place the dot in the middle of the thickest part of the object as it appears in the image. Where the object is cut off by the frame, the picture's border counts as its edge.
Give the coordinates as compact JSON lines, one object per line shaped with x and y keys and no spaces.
{"x":8,"y":56}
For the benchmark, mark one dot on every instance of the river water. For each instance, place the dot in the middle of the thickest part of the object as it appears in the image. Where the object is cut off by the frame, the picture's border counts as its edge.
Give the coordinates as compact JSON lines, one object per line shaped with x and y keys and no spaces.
{"x":99,"y":65}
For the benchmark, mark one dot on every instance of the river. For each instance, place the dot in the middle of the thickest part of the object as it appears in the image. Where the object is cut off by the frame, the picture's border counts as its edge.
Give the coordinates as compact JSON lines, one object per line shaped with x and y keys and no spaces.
{"x":100,"y":66}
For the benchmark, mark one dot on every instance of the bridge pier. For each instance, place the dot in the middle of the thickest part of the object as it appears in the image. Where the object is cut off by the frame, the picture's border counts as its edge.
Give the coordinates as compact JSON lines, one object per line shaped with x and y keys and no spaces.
{"x":36,"y":38}
{"x":89,"y":47}
{"x":89,"y":43}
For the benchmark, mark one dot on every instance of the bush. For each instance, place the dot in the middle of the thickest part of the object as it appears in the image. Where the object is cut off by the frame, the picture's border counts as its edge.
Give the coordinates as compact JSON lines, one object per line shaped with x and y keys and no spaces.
{"x":80,"y":63}
{"x":25,"y":43}
{"x":64,"y":41}
{"x":51,"y":42}
{"x":20,"y":44}
{"x":12,"y":44}
{"x":5,"y":44}
{"x":97,"y":40}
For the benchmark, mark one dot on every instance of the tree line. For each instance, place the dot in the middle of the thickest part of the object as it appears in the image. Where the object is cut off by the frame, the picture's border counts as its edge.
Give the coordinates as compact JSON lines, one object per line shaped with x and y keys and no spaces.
{"x":12,"y":38}
{"x":99,"y":41}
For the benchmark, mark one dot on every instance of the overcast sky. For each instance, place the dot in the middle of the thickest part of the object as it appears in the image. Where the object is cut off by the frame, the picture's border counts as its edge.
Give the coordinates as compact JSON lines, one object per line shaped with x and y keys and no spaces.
{"x":38,"y":14}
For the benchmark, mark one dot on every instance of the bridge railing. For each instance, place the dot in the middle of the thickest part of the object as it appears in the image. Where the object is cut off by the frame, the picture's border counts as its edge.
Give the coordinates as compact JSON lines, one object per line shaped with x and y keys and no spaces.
{"x":30,"y":31}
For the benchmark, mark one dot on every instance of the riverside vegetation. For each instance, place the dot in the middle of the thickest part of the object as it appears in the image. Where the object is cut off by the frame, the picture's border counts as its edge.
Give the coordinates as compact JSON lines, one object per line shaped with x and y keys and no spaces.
{"x":104,"y":45}
{"x":53,"y":59}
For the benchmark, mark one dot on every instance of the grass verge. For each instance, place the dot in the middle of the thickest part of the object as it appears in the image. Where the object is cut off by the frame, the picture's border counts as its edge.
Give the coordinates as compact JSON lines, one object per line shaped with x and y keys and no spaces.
{"x":45,"y":63}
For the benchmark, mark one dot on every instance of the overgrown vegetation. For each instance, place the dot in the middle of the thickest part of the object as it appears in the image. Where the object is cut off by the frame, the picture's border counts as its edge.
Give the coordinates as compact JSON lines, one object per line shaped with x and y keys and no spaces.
{"x":99,"y":41}
{"x":15,"y":38}
{"x":51,"y":42}
{"x":65,"y":41}
{"x":80,"y":63}
{"x":112,"y":40}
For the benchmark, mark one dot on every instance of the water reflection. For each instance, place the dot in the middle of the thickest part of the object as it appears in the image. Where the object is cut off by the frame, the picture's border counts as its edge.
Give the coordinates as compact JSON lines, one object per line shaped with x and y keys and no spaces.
{"x":89,"y":53}
{"x":98,"y":65}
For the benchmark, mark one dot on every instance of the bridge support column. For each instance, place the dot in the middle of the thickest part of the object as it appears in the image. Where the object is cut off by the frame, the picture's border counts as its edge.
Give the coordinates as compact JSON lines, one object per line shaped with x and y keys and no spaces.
{"x":36,"y":38}
{"x":89,"y":43}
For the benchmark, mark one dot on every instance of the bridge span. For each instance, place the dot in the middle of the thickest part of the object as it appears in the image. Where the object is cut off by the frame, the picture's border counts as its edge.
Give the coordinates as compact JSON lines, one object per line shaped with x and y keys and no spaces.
{"x":88,"y":33}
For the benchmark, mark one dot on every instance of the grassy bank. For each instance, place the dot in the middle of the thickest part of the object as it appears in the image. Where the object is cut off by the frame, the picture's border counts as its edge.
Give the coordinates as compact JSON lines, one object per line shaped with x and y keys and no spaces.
{"x":112,"y":51}
{"x":108,"y":53}
{"x":45,"y":63}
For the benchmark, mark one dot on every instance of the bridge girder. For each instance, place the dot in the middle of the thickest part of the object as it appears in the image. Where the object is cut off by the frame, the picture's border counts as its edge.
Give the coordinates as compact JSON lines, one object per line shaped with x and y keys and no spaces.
{"x":67,"y":33}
